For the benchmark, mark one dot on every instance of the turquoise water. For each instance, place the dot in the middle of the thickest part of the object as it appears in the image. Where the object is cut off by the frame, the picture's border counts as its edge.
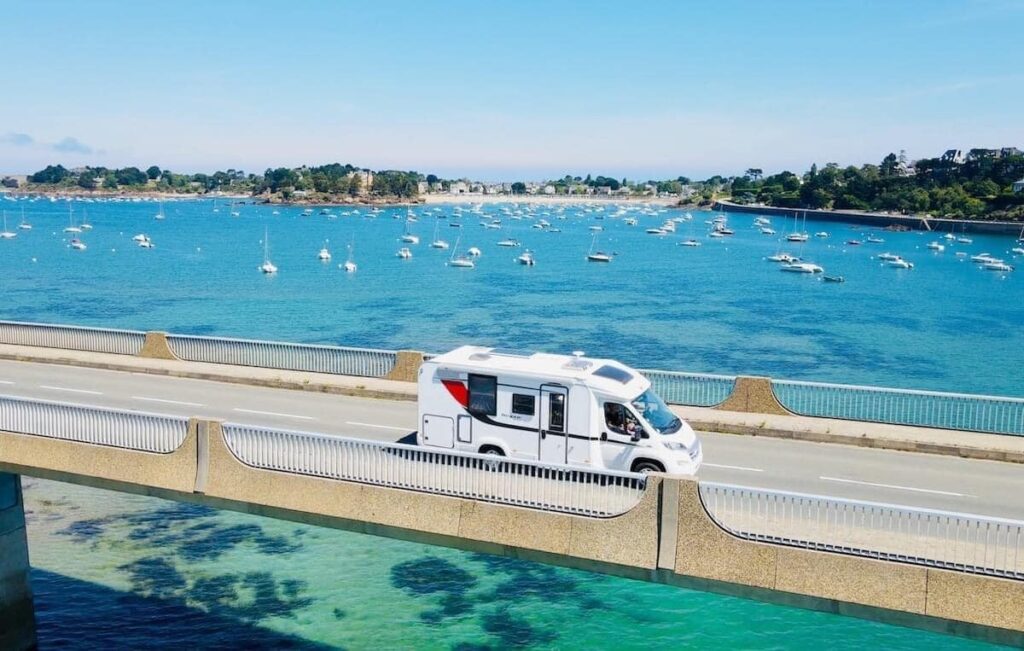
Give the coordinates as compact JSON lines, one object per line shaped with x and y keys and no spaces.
{"x":119,"y":571}
{"x":946,"y":324}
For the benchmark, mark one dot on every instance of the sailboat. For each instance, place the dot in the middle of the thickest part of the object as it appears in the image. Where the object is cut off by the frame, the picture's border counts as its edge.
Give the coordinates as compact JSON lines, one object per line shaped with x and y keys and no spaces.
{"x":85,"y":225}
{"x":24,"y":225}
{"x":71,"y":228}
{"x":460,"y":260}
{"x":325,"y":253}
{"x":6,"y":234}
{"x":438,"y":243}
{"x":597,"y":256}
{"x":160,"y":214}
{"x":798,"y":235}
{"x":350,"y":265}
{"x":215,"y":208}
{"x":408,"y":237}
{"x":267,"y":267}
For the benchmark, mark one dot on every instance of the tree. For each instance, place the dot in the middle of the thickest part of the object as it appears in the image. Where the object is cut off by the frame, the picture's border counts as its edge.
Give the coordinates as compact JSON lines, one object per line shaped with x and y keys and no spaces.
{"x":153,"y":172}
{"x":754,"y":173}
{"x":51,"y":174}
{"x":87,"y":180}
{"x":518,"y":188}
{"x":130,"y":176}
{"x":432,"y":179}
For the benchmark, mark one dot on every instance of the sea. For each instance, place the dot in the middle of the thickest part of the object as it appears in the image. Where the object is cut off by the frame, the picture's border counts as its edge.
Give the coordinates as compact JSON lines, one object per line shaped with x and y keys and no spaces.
{"x":119,"y":571}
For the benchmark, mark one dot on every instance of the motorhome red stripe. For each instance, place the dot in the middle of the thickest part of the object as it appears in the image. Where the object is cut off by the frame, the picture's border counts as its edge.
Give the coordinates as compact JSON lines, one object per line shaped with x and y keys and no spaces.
{"x":458,"y":391}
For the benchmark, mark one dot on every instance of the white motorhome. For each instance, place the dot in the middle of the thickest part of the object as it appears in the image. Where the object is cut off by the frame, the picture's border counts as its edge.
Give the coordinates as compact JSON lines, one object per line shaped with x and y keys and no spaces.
{"x":552,"y":408}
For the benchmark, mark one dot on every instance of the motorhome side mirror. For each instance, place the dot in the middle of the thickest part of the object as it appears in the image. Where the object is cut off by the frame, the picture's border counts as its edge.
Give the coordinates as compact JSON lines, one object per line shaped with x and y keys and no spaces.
{"x":635,"y":436}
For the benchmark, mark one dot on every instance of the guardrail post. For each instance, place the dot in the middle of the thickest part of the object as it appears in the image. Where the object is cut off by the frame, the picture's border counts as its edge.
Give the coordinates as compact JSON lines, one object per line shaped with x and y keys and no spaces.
{"x":156,"y":346}
{"x":753,"y":395}
{"x":17,"y":613}
{"x":407,"y":366}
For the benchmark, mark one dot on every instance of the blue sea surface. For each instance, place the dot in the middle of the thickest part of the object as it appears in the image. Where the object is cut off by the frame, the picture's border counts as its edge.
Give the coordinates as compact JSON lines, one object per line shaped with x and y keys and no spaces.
{"x":119,"y":571}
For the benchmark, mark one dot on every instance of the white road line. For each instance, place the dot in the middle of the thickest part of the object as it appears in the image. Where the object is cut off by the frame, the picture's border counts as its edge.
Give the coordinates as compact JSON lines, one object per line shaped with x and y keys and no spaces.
{"x":169,"y":402}
{"x":399,"y":429}
{"x":717,"y":465}
{"x":92,"y":393}
{"x":900,"y":488}
{"x":272,"y":413}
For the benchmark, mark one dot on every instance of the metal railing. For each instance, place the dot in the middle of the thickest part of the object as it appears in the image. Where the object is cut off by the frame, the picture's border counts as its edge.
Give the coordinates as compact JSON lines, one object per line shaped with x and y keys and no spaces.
{"x":595,"y":493}
{"x":694,"y":389}
{"x":363,"y":362}
{"x":968,"y":543}
{"x":97,"y":340}
{"x":121,"y":429}
{"x":957,"y":411}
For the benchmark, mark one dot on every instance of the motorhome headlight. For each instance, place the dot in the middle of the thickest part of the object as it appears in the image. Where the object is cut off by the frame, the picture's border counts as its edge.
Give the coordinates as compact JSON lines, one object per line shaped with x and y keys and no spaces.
{"x":675,"y":445}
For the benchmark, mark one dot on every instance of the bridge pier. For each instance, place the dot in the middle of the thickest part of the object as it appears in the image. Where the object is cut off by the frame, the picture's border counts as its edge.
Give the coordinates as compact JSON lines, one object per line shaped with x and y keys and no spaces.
{"x":17,"y":615}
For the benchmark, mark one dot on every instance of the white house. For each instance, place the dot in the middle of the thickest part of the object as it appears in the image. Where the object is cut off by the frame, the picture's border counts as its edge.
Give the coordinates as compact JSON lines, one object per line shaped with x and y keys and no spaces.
{"x":459,"y":187}
{"x":1019,"y":186}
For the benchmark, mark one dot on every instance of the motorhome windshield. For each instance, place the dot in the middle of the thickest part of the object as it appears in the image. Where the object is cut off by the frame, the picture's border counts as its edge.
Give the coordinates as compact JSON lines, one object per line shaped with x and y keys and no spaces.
{"x":654,"y":410}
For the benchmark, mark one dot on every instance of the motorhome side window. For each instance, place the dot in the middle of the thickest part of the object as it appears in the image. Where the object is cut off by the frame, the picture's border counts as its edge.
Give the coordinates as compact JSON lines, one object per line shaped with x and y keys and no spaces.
{"x":522,"y":404}
{"x":483,"y":394}
{"x":557,"y":412}
{"x":619,"y":420}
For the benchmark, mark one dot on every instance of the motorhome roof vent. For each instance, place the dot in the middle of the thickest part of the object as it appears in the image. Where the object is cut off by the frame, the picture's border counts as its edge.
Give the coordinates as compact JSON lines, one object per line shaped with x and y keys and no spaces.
{"x":614,"y":373}
{"x":480,"y":357}
{"x":577,"y":362}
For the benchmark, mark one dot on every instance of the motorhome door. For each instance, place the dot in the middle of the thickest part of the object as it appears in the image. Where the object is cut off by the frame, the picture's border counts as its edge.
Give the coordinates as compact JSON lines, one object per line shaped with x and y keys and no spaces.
{"x":553,"y":423}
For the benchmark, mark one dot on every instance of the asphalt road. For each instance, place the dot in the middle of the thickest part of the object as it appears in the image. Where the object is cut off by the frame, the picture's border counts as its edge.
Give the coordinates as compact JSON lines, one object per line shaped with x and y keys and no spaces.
{"x":920,"y":480}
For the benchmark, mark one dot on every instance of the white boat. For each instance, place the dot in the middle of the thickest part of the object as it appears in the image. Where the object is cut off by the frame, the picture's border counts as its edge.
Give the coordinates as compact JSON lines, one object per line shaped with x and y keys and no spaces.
{"x":267,"y":267}
{"x":900,"y":263}
{"x":797,"y":237}
{"x":438,"y":243}
{"x":350,"y":263}
{"x":983,"y":258}
{"x":408,"y":237}
{"x":597,"y":256}
{"x":6,"y":234}
{"x":147,"y":244}
{"x":690,"y":242}
{"x":597,"y":228}
{"x":716,"y":234}
{"x":997,"y":265}
{"x":71,"y":228}
{"x":783,"y":257}
{"x":1017,"y":250}
{"x":767,"y":231}
{"x":141,"y":237}
{"x":629,"y":221}
{"x":160,"y":214}
{"x":474,"y":252}
{"x":874,"y":240}
{"x":307,"y":212}
{"x":78,"y":245}
{"x":965,"y":240}
{"x":325,"y":253}
{"x":802,"y":267}
{"x":460,"y":261}
{"x":85,"y":225}
{"x":526,"y":258}
{"x":656,"y":231}
{"x":24,"y":225}
{"x":404,"y":253}
{"x":821,"y":234}
{"x":509,"y":242}
{"x":935,"y":246}
{"x":888,"y":257}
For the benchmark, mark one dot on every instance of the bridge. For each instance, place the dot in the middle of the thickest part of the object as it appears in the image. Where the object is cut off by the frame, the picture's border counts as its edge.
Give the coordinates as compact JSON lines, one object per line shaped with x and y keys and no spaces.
{"x":305,"y":433}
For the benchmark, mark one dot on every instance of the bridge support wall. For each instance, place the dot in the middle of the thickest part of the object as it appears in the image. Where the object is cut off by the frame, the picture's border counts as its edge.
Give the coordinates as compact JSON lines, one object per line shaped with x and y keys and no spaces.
{"x":17,"y":615}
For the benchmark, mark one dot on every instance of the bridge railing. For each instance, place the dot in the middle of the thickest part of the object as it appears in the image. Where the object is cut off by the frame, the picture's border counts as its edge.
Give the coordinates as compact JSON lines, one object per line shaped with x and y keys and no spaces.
{"x":131,"y":430}
{"x":594,"y":493}
{"x":693,"y":389}
{"x":957,"y":541}
{"x":364,"y":362}
{"x":97,"y":340}
{"x":957,"y":411}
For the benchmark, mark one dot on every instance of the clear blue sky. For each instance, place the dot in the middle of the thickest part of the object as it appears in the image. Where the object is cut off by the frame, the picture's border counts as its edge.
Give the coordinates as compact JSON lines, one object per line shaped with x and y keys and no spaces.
{"x":506,"y":90}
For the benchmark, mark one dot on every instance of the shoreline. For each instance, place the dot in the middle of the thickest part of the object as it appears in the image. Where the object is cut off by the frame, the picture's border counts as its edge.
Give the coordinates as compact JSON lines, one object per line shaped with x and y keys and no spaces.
{"x":545,"y":199}
{"x":879,"y":220}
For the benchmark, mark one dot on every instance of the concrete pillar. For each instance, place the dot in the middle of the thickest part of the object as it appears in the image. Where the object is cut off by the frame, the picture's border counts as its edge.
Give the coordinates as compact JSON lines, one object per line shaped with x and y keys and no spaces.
{"x":156,"y":346}
{"x":17,"y":615}
{"x":407,"y":366}
{"x":753,"y":395}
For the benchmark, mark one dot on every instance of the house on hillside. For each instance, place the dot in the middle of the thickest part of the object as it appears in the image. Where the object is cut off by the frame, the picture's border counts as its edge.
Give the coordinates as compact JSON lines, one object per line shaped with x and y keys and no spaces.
{"x":1019,"y":186}
{"x":955,"y":156}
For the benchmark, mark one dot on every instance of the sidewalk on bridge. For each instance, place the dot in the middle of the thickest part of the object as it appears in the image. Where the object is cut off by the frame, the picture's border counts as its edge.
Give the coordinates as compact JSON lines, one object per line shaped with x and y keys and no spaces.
{"x":976,"y":445}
